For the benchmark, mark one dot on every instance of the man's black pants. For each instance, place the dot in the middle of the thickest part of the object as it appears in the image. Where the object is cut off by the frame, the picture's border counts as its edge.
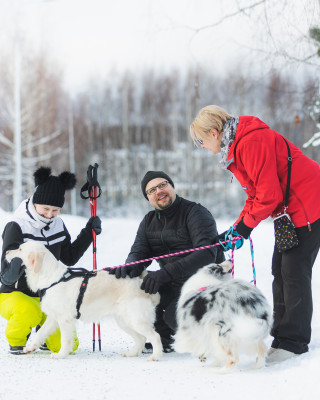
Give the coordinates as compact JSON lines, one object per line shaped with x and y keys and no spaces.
{"x":166,"y":322}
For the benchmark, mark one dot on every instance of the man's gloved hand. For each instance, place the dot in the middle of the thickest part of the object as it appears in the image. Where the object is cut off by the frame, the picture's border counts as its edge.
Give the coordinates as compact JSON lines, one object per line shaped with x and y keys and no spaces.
{"x":225,"y":239}
{"x":94,"y":223}
{"x":128,"y":270}
{"x":14,"y":272}
{"x":154,"y":279}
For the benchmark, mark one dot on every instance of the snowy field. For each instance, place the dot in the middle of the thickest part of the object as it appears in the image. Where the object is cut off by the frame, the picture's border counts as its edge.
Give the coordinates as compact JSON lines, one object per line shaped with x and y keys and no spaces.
{"x":106,"y":375}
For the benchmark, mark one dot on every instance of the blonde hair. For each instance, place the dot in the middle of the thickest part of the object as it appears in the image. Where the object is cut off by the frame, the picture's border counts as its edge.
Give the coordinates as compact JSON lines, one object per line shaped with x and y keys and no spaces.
{"x":209,"y":117}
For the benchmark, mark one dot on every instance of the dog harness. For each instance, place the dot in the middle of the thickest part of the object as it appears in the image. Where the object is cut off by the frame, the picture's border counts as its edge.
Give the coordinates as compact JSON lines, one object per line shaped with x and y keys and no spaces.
{"x":70,"y":274}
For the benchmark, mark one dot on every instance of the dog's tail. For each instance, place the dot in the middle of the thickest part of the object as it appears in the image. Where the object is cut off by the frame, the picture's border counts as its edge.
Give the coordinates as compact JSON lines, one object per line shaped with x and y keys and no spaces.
{"x":184,"y":343}
{"x":143,"y":274}
{"x":252,"y":329}
{"x":155,"y":298}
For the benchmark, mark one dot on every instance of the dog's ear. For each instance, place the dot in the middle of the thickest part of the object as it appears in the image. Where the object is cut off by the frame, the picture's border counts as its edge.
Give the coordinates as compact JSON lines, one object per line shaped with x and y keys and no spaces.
{"x":221,"y":269}
{"x":35,"y":260}
{"x":226,"y":266}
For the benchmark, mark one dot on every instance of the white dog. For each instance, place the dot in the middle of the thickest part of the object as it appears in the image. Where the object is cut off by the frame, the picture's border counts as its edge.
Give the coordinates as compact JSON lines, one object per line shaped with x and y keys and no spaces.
{"x":133,"y":309}
{"x":217,"y":316}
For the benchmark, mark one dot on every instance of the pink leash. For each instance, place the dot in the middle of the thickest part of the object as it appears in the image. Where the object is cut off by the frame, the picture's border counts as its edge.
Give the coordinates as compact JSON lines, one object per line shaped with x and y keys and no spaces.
{"x":196,"y":249}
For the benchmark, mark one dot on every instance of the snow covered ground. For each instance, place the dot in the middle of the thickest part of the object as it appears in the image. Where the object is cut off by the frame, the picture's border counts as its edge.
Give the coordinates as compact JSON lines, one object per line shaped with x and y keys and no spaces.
{"x":106,"y":375}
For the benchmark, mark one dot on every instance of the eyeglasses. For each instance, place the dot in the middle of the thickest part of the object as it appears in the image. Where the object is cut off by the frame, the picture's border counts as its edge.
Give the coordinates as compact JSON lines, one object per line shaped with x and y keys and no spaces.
{"x":197,"y":141}
{"x":153,"y":190}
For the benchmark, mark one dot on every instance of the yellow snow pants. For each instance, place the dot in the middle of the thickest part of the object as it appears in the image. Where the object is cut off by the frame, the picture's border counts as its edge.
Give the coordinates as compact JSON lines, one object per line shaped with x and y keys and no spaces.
{"x":24,"y":313}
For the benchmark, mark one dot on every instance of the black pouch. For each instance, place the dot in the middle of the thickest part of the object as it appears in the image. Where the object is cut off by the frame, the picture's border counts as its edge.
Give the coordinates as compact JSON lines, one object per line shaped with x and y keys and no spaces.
{"x":285,"y":233}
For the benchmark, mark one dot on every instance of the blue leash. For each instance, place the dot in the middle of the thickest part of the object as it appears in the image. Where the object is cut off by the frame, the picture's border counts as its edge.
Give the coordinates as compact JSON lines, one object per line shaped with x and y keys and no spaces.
{"x":254,"y":280}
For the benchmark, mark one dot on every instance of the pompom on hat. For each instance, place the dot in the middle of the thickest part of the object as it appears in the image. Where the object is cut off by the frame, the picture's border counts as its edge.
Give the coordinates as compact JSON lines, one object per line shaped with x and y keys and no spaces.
{"x":50,"y":189}
{"x":153,"y":175}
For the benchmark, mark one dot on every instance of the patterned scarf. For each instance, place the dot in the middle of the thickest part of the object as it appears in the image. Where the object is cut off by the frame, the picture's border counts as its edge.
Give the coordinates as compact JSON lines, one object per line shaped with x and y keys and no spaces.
{"x":229,"y":133}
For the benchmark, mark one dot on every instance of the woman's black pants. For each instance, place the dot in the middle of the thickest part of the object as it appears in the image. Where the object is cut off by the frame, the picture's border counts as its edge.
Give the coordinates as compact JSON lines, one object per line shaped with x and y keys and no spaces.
{"x":292,"y":295}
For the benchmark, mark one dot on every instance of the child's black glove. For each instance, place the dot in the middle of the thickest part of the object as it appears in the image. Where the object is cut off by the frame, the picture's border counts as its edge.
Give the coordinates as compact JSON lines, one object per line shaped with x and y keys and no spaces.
{"x":94,"y":223}
{"x":13,"y":273}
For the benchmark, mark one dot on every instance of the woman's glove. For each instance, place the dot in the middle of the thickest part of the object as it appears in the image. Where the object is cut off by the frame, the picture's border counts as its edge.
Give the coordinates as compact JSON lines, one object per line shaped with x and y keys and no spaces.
{"x":128,"y":270}
{"x":94,"y":224}
{"x":226,"y":241}
{"x":243,"y":229}
{"x":14,"y":272}
{"x":154,"y":279}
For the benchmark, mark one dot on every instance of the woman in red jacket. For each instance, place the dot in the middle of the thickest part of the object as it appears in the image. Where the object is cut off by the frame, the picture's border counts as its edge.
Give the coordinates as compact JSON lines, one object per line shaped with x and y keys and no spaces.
{"x":258,"y":158}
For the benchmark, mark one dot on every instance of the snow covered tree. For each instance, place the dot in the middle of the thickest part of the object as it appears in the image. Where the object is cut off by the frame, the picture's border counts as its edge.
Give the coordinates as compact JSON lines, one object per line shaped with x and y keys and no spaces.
{"x":41,"y":116}
{"x":314,"y":141}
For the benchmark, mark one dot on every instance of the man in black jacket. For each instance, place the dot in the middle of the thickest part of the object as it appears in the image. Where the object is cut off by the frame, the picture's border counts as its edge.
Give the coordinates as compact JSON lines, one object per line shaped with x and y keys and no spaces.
{"x":175,"y":225}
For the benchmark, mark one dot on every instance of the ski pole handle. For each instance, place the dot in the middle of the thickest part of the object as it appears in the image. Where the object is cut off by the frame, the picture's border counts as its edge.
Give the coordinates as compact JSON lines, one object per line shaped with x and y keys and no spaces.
{"x":91,"y":184}
{"x":94,"y":191}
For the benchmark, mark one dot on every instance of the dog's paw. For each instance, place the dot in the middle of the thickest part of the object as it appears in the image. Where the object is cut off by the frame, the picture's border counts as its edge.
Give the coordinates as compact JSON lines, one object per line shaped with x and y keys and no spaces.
{"x":260,"y":363}
{"x":203,"y":358}
{"x":135,"y":351}
{"x":154,"y":357}
{"x":30,"y":348}
{"x":27,"y":350}
{"x":130,"y":353}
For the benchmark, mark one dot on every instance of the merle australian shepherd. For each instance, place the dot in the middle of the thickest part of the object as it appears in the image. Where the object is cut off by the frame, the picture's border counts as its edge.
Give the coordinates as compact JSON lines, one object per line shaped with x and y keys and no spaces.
{"x":218,"y":316}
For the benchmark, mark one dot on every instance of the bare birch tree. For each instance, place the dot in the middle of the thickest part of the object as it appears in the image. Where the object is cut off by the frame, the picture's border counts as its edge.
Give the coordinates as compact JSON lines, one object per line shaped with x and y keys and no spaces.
{"x":40,"y":121}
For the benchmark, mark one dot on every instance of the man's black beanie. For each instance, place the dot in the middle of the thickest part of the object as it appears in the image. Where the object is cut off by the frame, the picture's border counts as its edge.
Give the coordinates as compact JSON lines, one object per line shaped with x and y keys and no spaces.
{"x":153,"y":175}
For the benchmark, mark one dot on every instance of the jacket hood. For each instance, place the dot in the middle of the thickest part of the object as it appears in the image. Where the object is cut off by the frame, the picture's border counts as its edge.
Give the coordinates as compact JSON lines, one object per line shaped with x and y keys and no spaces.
{"x":247,"y":124}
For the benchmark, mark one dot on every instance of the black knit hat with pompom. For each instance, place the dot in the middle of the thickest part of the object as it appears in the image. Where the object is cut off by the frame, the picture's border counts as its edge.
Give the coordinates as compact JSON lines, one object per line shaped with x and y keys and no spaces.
{"x":50,"y":189}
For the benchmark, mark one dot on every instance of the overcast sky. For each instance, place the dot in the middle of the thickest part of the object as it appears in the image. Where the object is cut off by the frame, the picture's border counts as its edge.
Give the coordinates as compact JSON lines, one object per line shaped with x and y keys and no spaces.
{"x":91,"y":37}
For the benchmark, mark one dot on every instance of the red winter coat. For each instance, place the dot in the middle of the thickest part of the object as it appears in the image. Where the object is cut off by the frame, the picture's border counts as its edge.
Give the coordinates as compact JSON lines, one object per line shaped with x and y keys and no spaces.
{"x":261,"y":166}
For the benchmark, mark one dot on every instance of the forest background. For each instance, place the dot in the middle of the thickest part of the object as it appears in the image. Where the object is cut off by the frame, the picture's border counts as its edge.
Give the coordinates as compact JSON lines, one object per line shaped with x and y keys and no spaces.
{"x":131,"y":120}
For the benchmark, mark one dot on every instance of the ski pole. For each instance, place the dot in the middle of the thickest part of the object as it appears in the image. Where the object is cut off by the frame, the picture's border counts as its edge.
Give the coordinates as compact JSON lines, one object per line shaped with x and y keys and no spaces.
{"x":91,"y":187}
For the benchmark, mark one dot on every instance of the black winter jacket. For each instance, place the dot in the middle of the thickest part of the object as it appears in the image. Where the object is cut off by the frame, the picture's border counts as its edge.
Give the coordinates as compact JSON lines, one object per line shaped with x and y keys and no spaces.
{"x":184,"y":225}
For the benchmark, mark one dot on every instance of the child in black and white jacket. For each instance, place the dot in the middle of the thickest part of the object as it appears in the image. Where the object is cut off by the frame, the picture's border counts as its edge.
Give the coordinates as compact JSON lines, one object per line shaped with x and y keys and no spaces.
{"x":37,"y":219}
